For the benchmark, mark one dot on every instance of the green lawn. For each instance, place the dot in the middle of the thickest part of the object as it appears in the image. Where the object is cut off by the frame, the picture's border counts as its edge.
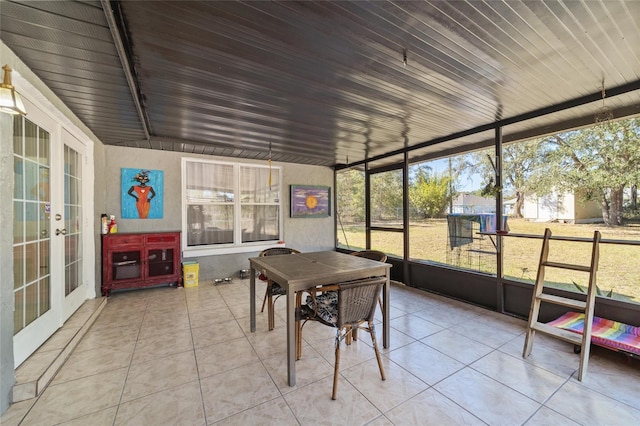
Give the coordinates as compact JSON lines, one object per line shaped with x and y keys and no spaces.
{"x":618,"y":267}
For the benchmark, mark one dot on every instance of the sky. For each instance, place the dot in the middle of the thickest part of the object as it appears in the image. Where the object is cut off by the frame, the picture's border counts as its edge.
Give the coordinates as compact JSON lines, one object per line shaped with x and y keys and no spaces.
{"x":466,"y":183}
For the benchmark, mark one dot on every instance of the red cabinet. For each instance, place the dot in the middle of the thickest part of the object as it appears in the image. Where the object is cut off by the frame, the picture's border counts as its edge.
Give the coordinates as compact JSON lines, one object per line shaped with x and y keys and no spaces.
{"x":134,"y":260}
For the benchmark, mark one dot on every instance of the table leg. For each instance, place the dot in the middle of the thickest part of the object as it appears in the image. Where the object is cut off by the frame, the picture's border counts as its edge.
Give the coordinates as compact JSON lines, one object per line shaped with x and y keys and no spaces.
{"x":252,"y":299}
{"x":291,"y":337}
{"x":386,"y":302}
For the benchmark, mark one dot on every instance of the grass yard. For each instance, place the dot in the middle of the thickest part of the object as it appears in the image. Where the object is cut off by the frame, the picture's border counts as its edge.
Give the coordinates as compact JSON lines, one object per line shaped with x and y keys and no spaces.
{"x":618,"y":268}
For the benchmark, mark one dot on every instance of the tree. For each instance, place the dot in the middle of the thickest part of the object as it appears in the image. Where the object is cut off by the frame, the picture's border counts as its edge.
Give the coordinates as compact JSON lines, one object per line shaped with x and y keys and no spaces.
{"x":386,"y":195}
{"x":430,"y":193}
{"x":519,"y":163}
{"x":350,"y":195}
{"x":596,"y":163}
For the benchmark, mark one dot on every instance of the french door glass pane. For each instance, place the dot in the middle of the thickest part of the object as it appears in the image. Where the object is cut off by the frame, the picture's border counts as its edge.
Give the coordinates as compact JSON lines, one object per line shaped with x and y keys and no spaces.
{"x":44,"y":259}
{"x":44,"y":147}
{"x":18,"y":172}
{"x":18,"y":266}
{"x":31,"y":222}
{"x":18,"y":137}
{"x":45,"y":299}
{"x":31,"y":180}
{"x":18,"y":222}
{"x":30,"y":141}
{"x":44,"y":220}
{"x":18,"y":313}
{"x":73,"y":218}
{"x":32,"y":261}
{"x":31,"y":303}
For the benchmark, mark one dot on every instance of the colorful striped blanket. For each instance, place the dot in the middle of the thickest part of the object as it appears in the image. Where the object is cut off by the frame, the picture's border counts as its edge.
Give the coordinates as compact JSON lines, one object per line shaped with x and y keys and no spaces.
{"x":604,"y":332}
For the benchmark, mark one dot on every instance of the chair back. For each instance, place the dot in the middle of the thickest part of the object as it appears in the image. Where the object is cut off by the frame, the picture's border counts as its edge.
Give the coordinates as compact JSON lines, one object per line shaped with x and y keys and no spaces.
{"x":274,"y":251}
{"x":371,"y":254}
{"x":357,"y":300}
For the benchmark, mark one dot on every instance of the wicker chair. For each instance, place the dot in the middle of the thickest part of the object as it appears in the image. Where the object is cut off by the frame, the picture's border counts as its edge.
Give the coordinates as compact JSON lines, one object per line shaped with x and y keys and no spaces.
{"x":274,"y":290}
{"x":347,"y":307}
{"x":373,"y":255}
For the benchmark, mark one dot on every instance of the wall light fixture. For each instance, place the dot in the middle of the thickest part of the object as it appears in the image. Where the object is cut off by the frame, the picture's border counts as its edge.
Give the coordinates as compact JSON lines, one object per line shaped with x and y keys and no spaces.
{"x":10,"y":100}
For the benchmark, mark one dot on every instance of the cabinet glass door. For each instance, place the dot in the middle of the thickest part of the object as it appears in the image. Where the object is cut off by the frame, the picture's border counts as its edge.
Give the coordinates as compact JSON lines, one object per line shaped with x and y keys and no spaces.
{"x":126,"y":265}
{"x":160,"y":262}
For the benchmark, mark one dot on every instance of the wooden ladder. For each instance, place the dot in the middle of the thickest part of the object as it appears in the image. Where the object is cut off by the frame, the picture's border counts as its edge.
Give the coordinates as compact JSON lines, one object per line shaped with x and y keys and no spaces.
{"x":584,"y":340}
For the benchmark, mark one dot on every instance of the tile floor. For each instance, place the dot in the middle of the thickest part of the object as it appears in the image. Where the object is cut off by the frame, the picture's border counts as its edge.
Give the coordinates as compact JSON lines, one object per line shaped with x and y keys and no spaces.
{"x":169,"y":356}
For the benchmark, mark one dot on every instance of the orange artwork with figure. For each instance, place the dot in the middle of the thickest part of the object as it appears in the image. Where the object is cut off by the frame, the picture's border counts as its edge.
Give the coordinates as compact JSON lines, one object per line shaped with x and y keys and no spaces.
{"x":144,"y":190}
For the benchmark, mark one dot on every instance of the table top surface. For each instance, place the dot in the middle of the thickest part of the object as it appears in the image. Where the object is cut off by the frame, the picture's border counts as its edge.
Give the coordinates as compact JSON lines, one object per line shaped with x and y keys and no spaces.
{"x":317,"y":268}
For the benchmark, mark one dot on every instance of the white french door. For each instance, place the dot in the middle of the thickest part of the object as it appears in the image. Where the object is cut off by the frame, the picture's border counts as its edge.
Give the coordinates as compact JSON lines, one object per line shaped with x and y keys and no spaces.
{"x":49,"y":273}
{"x":74,"y":159}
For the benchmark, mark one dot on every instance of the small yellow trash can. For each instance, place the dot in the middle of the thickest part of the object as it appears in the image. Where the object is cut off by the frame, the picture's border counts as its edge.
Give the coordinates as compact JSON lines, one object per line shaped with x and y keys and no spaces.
{"x":190,"y":270}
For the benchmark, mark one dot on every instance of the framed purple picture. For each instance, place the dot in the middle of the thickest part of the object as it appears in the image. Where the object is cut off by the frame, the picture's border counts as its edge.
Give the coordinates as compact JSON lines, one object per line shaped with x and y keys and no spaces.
{"x":310,"y":201}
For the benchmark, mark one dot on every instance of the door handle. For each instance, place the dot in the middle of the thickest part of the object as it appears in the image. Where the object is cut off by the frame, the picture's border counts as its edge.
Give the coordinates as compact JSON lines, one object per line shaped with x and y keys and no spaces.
{"x":61,"y":231}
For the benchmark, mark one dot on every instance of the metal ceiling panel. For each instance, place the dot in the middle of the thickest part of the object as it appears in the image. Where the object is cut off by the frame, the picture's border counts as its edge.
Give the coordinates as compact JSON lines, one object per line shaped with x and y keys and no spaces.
{"x":329,"y":82}
{"x":69,"y":47}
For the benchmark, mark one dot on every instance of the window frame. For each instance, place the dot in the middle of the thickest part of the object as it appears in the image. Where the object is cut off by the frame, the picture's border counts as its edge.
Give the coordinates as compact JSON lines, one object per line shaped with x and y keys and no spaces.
{"x":237,"y":246}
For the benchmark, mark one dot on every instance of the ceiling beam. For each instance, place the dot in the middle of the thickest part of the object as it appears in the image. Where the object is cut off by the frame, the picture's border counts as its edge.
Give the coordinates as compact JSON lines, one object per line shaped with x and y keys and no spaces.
{"x":126,"y":67}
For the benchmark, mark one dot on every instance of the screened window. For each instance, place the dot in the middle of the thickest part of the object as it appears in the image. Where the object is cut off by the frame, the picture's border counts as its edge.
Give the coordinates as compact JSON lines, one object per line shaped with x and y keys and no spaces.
{"x":574,"y":183}
{"x":231,"y":205}
{"x":350,"y":209}
{"x":450,"y":209}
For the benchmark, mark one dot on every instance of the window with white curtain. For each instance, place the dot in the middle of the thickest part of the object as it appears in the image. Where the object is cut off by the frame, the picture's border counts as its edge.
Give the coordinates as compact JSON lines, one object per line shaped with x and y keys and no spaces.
{"x":229,"y":206}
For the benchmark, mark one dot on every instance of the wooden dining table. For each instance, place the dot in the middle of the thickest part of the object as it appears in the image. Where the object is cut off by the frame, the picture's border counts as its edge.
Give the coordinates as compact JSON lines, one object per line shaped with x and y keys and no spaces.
{"x":302,"y":271}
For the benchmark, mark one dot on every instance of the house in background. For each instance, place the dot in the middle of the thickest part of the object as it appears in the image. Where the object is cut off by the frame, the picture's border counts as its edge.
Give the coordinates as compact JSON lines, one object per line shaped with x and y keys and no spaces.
{"x":509,"y":206}
{"x":473,"y":204}
{"x":566,"y":207}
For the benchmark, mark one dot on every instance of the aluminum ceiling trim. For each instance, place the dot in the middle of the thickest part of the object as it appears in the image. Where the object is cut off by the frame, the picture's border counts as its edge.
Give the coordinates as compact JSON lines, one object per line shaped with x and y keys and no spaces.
{"x":126,"y":66}
{"x":558,"y":118}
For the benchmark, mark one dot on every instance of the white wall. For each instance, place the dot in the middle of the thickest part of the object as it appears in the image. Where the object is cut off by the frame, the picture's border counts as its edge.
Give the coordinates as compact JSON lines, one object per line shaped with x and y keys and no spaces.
{"x":7,"y":376}
{"x":566,"y":207}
